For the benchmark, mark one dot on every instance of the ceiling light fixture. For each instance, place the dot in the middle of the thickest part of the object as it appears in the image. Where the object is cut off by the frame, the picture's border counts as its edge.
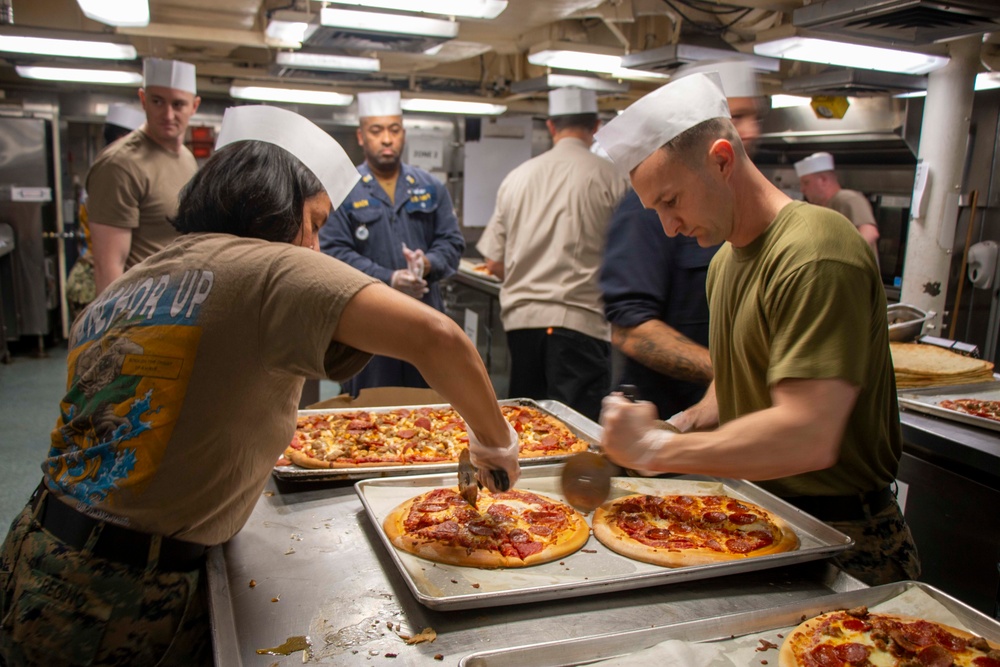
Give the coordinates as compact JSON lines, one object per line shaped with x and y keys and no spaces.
{"x":843,"y":54}
{"x":123,"y":13}
{"x":984,"y":81}
{"x":324,"y":61}
{"x":452,"y":106}
{"x":789,"y":101}
{"x":477,"y":9}
{"x":387,"y":23}
{"x":288,"y":28}
{"x":70,"y":48}
{"x":290,"y":95}
{"x":112,"y":77}
{"x":551,"y":81}
{"x":675,"y":55}
{"x":586,"y":61}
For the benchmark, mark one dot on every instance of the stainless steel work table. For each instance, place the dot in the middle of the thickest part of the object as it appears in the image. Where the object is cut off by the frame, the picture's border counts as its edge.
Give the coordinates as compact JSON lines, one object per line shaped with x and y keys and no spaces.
{"x":312,"y":548}
{"x":968,"y":450}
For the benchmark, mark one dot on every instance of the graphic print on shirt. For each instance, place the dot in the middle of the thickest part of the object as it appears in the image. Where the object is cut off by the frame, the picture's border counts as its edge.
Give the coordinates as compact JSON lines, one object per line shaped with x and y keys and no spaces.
{"x":131,"y":358}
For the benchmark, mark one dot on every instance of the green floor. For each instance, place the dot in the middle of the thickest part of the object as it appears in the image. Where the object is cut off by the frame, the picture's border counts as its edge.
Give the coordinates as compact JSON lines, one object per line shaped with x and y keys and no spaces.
{"x":30,"y":390}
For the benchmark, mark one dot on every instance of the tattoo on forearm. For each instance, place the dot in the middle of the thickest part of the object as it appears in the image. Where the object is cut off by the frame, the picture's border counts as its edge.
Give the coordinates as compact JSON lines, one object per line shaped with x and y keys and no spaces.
{"x":671,"y":354}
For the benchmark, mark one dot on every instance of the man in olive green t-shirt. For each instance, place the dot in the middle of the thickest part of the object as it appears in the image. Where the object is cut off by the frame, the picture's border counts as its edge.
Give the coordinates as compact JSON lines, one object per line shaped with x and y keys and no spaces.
{"x":133,"y":185}
{"x":804,"y":396}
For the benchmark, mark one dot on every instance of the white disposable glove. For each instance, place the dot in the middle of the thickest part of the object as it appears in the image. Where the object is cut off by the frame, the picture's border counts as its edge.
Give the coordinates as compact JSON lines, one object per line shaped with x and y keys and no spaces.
{"x":416,"y":262}
{"x":495,"y":458}
{"x":631,"y":436}
{"x":409,"y":284}
{"x":681,"y":421}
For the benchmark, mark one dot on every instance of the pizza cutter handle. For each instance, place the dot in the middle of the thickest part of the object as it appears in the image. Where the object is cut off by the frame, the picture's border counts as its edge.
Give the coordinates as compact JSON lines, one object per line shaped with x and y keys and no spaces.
{"x":629,"y":391}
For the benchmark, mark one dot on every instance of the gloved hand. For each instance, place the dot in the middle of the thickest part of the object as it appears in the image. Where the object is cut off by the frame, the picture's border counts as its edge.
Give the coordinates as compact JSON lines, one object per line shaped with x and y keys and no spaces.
{"x":631,"y":437}
{"x":409,"y":284}
{"x":416,"y":262}
{"x":495,"y":458}
{"x":682,"y":421}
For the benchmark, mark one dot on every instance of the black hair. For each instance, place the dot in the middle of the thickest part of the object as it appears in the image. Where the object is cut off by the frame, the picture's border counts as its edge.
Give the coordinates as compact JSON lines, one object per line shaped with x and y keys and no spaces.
{"x":113,"y":133}
{"x":579,"y":121}
{"x":252,"y":189}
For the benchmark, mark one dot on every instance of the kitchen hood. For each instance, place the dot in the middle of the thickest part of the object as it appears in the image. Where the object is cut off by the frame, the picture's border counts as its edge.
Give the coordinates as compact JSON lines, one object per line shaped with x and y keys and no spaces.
{"x":900,"y":22}
{"x":854,"y":83}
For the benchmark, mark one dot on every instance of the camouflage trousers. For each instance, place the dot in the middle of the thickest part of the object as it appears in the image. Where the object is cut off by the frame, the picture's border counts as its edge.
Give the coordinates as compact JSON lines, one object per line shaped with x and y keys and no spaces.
{"x":64,"y":606}
{"x":883,"y":551}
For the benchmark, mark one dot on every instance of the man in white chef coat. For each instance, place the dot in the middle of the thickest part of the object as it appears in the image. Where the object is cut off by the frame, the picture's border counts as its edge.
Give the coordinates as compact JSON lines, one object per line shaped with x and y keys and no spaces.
{"x":545,"y":240}
{"x":134,"y":183}
{"x":804,"y":396}
{"x":820,"y":185}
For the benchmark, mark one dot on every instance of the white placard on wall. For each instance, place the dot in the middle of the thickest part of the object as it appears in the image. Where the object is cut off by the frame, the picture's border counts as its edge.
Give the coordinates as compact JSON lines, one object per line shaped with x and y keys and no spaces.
{"x":487,"y":163}
{"x":426,"y":152}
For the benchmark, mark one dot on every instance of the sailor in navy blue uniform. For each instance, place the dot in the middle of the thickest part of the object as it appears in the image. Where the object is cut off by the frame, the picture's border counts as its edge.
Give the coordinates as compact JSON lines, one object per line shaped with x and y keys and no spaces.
{"x":397,"y":224}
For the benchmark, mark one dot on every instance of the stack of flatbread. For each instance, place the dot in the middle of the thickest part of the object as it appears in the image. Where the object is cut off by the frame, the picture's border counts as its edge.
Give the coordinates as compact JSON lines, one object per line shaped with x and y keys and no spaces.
{"x":931,"y":366}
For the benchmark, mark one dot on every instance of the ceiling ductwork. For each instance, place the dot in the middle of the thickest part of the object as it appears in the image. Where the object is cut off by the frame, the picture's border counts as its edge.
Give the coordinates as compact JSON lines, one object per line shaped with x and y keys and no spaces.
{"x":910,"y":22}
{"x":667,"y":58}
{"x":854,"y":83}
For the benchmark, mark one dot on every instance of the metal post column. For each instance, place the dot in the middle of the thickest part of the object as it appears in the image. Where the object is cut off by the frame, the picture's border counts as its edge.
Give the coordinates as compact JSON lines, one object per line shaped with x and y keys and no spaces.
{"x":944,"y":134}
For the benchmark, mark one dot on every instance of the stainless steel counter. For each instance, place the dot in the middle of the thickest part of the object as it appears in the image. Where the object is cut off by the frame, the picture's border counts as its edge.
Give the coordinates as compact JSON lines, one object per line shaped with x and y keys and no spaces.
{"x":967,"y":450}
{"x":320,"y":570}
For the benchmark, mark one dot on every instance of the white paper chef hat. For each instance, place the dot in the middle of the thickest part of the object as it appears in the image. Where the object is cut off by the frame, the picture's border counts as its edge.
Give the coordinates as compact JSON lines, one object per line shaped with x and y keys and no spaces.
{"x":382,"y":103}
{"x":567,"y":101}
{"x":813,"y":164}
{"x":738,"y":76}
{"x":125,"y":115}
{"x":653,"y":120}
{"x":169,"y":74}
{"x":316,"y":149}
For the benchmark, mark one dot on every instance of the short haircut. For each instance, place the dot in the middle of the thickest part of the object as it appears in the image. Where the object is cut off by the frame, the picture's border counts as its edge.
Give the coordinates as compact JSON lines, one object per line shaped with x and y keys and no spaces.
{"x":113,"y":133}
{"x":252,"y":189}
{"x":579,"y":121}
{"x":691,"y":144}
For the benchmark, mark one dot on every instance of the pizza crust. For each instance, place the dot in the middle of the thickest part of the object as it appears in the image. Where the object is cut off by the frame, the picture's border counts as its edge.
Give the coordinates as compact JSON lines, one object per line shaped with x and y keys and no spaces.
{"x":568,"y":541}
{"x":616,"y":539}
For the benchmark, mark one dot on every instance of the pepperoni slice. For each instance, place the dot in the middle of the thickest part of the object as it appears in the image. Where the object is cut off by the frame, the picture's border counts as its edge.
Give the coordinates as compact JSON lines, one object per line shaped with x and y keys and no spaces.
{"x":541,"y":531}
{"x":658,"y":534}
{"x":550,"y":441}
{"x":431,"y":507}
{"x":282,"y":461}
{"x":523,"y":416}
{"x":935,"y":656}
{"x":422,"y":422}
{"x":545,"y":517}
{"x":482,"y":529}
{"x":854,"y":624}
{"x":295,"y":443}
{"x":985,"y":661}
{"x":853,"y":653}
{"x":742,"y":518}
{"x":734,"y":506}
{"x":631,"y":524}
{"x":629,"y":508}
{"x":739,"y":545}
{"x":525,"y":549}
{"x":406,"y":433}
{"x":825,"y":655}
{"x":714,"y":517}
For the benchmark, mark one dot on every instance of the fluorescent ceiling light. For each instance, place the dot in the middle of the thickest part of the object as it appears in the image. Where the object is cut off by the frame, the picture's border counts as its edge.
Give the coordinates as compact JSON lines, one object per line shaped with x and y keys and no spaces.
{"x":452,"y":106}
{"x":125,"y":13}
{"x":72,"y":48}
{"x":323,"y":61}
{"x":477,"y":9}
{"x":984,"y":81}
{"x":850,"y":55}
{"x":387,"y":23}
{"x":288,"y":28}
{"x":638,"y":75}
{"x":291,"y":95}
{"x":577,"y":60}
{"x":113,"y":77}
{"x":551,"y":81}
{"x":788,"y":101}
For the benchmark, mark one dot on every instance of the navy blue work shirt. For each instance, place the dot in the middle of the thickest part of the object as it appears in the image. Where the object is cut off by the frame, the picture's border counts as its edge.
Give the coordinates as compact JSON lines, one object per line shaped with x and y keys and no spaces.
{"x":647,"y":275}
{"x":368,"y":231}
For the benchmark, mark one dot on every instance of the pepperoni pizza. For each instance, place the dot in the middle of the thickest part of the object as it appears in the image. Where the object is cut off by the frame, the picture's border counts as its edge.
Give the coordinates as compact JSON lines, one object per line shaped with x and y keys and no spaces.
{"x":859,"y":637}
{"x":414,"y":436}
{"x":681,"y":530}
{"x":514,"y":528}
{"x":975,"y":407}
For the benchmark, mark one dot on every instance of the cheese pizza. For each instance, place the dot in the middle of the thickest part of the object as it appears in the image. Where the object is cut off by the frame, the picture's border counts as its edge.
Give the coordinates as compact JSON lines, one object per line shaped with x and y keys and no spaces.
{"x":414,"y":436}
{"x":856,"y":637}
{"x":514,"y":528}
{"x":681,"y":530}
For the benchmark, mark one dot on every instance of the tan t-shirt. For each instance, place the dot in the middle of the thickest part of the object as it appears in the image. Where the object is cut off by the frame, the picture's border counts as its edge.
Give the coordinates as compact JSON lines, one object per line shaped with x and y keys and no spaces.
{"x":854,"y":206}
{"x":184,"y":381}
{"x":805,"y":300}
{"x":135,"y":183}
{"x":548,"y":230}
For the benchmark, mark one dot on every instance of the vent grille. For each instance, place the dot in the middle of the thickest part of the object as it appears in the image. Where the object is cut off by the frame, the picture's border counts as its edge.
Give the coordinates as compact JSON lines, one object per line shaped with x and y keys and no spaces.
{"x":914,"y":22}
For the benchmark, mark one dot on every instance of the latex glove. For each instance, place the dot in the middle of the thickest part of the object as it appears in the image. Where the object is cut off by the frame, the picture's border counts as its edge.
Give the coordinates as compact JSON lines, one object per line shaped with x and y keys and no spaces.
{"x":682,"y":421}
{"x":631,"y":437}
{"x":416,"y":262}
{"x":495,"y":458}
{"x":407,"y":283}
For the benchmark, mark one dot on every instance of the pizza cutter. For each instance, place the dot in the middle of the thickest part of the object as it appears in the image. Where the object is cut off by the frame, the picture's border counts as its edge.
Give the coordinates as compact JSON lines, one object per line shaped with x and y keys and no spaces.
{"x":468,"y":485}
{"x":586,"y":477}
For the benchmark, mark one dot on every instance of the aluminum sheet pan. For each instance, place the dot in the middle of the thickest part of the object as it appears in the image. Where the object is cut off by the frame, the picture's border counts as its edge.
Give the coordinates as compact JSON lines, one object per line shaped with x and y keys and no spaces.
{"x":927,"y":401}
{"x":730,"y":629}
{"x":581,"y":427}
{"x":594,"y":568}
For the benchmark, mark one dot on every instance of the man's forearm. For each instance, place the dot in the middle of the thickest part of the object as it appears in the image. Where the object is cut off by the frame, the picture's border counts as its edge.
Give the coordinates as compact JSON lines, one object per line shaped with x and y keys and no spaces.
{"x":658,"y":346}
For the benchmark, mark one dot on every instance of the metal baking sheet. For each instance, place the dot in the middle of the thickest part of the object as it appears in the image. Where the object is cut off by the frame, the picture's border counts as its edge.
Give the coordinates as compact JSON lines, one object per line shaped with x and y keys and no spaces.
{"x":927,"y":401}
{"x":581,"y":427}
{"x":594,"y":568}
{"x":597,"y":648}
